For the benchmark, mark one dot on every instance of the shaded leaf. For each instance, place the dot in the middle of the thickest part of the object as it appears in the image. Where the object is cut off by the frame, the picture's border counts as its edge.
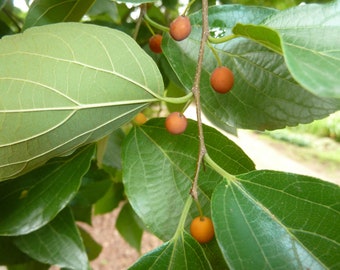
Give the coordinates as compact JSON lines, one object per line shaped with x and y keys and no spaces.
{"x":268,"y":219}
{"x":128,"y":225}
{"x":9,"y":253}
{"x":58,"y":242}
{"x":182,"y":252}
{"x":110,"y":200}
{"x":42,"y":12}
{"x":158,"y":169}
{"x":37,"y":197}
{"x":64,"y":85}
{"x":93,"y":249}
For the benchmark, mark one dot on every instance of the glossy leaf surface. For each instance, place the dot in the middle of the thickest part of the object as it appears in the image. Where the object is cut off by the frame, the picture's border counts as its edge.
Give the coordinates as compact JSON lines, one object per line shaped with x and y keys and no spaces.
{"x":182,"y":252}
{"x":29,"y":202}
{"x":159,"y":168}
{"x":76,"y":91}
{"x":264,"y":95}
{"x":58,"y":242}
{"x":268,"y":219}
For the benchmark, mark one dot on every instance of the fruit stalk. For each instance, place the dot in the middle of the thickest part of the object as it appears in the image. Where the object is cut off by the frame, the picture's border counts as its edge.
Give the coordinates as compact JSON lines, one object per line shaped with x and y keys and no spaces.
{"x":196,"y":92}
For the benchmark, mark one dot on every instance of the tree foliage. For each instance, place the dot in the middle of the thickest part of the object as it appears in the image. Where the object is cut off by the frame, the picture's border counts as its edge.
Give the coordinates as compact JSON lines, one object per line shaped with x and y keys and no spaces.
{"x":74,"y":74}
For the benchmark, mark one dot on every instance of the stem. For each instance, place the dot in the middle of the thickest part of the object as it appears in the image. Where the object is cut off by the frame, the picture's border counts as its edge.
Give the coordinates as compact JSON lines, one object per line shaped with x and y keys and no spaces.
{"x":154,"y":24}
{"x":188,"y":7}
{"x":222,"y":39}
{"x":176,"y":100}
{"x":218,"y":169}
{"x":196,"y":91}
{"x":183,"y":217}
{"x":218,"y":59}
{"x":139,"y":21}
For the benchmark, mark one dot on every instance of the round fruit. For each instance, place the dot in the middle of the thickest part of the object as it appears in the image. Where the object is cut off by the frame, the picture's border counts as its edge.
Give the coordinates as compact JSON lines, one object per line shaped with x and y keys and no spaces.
{"x":140,"y":119}
{"x":180,"y":28}
{"x":202,"y":229}
{"x":222,"y":80}
{"x":155,"y":43}
{"x":176,"y":123}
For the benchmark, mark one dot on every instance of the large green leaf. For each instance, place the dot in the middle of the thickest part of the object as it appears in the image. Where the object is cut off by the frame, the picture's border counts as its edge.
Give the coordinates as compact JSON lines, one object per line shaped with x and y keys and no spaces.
{"x":277,"y":220}
{"x":64,"y":85}
{"x":30,"y":201}
{"x":158,"y":169}
{"x":265,"y":95}
{"x":58,"y":242}
{"x":182,"y":252}
{"x":43,"y":12}
{"x":311,"y":45}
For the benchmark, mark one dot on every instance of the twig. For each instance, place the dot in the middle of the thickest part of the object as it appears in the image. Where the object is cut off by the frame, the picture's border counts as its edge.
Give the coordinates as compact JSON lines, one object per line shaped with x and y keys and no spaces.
{"x":139,"y":21}
{"x":196,"y":92}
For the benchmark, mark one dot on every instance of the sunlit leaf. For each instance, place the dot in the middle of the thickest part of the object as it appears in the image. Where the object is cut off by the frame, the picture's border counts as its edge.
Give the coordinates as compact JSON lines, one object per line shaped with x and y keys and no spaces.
{"x":182,"y":252}
{"x":311,"y":45}
{"x":264,"y":95}
{"x":64,"y":85}
{"x":159,"y":168}
{"x":268,"y":219}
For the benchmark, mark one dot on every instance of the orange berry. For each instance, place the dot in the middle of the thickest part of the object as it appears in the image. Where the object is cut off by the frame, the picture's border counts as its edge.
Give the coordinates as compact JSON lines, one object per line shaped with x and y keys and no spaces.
{"x":180,"y":28}
{"x":202,"y":229}
{"x":176,"y":123}
{"x":222,"y":79}
{"x":140,"y":119}
{"x":155,"y":43}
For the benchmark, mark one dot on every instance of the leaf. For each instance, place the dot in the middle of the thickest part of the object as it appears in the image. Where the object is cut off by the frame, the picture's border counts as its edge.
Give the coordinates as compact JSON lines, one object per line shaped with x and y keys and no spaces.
{"x":268,"y":219}
{"x":65,"y":85}
{"x":43,"y":12}
{"x":128,"y":225}
{"x":265,"y":95}
{"x":182,"y":252}
{"x":110,"y":200}
{"x":311,"y":45}
{"x":158,"y":169}
{"x":36,"y":198}
{"x":58,"y":243}
{"x":94,"y":185}
{"x":93,"y":249}
{"x":261,"y":34}
{"x":9,"y":253}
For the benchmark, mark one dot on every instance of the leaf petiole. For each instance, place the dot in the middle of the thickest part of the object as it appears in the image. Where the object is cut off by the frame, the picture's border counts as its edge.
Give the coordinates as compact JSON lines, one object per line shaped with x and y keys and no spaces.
{"x":217,"y":168}
{"x":154,"y":24}
{"x":181,"y":223}
{"x":222,"y":39}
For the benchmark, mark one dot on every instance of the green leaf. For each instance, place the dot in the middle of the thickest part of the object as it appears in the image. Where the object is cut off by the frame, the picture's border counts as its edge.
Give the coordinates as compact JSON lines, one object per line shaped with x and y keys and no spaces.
{"x":37,"y":197}
{"x":65,"y":85}
{"x":9,"y":253}
{"x":110,"y":200}
{"x":93,"y":249}
{"x":311,"y":45}
{"x":261,"y":34}
{"x":182,"y":252}
{"x":265,"y":95}
{"x":271,"y":220}
{"x":158,"y":169}
{"x":43,"y":12}
{"x":94,"y":185}
{"x":128,"y":225}
{"x":57,"y":243}
{"x":31,"y":265}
